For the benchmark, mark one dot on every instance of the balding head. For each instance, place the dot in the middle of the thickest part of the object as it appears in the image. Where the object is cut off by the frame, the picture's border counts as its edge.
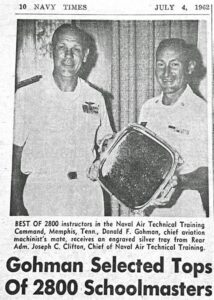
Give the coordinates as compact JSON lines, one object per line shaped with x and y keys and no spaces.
{"x":70,"y":51}
{"x":72,"y":30}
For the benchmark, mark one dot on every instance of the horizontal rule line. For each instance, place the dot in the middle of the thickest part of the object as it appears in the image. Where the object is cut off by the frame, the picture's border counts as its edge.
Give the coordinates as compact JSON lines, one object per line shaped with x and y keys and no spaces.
{"x":64,"y":14}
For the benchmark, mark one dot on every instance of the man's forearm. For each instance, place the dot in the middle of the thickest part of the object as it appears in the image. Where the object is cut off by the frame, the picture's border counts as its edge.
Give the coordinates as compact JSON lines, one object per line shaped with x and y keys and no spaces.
{"x":17,"y":184}
{"x":17,"y":187}
{"x":196,"y":180}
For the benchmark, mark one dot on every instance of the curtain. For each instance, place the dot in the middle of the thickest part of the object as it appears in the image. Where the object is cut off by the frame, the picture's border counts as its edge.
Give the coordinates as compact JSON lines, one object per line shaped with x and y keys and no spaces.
{"x":202,"y":46}
{"x":124,"y":69}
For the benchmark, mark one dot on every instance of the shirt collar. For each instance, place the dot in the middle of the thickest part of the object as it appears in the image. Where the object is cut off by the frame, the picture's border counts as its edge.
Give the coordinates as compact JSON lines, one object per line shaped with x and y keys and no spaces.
{"x":75,"y":94}
{"x":182,"y":100}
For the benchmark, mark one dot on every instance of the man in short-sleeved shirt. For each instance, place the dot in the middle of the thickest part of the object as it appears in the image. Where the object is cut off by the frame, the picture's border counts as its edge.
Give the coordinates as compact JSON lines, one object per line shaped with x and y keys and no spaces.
{"x":180,"y":118}
{"x":59,"y":121}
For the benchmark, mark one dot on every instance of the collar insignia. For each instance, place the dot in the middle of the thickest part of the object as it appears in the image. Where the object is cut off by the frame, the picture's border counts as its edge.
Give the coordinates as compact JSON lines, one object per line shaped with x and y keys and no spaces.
{"x":179,"y":130}
{"x":90,"y":108}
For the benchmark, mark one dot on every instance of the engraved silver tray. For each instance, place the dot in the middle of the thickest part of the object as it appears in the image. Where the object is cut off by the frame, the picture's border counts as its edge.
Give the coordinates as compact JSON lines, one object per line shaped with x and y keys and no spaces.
{"x":137,"y":166}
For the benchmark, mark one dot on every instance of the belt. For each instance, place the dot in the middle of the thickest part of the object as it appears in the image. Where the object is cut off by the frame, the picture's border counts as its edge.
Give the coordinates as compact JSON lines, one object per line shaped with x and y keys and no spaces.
{"x":72,"y":175}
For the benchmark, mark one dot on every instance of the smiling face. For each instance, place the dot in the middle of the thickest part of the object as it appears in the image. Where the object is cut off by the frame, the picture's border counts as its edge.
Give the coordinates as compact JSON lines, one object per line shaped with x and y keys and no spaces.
{"x":68,"y":53}
{"x":172,"y":69}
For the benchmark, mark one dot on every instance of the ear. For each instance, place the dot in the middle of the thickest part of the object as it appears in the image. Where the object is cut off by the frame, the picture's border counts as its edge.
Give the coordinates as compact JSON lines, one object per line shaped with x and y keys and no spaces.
{"x":191,"y":66}
{"x":86,"y":55}
{"x":51,"y":50}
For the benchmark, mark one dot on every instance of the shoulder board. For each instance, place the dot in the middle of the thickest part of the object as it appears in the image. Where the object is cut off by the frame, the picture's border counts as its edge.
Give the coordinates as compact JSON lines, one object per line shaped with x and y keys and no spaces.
{"x":28,"y":81}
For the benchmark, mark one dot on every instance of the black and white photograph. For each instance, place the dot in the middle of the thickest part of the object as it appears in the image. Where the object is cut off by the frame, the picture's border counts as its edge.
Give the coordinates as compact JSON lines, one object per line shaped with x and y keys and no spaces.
{"x":106,"y":150}
{"x":110,"y":118}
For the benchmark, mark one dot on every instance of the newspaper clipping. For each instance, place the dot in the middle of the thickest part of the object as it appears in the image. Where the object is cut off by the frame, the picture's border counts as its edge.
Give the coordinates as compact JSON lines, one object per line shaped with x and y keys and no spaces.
{"x":106,"y":139}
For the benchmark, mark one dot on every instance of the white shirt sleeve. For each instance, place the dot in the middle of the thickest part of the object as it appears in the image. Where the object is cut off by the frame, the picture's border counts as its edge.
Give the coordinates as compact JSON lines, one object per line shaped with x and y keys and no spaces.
{"x":141,"y":116}
{"x":105,"y":127}
{"x":20,"y":121}
{"x":144,"y":112}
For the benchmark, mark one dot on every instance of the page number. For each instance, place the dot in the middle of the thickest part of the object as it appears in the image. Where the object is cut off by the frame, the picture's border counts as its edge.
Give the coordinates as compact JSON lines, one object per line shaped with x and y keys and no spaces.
{"x":22,"y":6}
{"x":184,"y":7}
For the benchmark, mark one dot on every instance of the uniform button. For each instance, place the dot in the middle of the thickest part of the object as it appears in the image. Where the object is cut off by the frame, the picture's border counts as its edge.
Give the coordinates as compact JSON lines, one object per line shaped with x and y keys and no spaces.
{"x":72,"y":175}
